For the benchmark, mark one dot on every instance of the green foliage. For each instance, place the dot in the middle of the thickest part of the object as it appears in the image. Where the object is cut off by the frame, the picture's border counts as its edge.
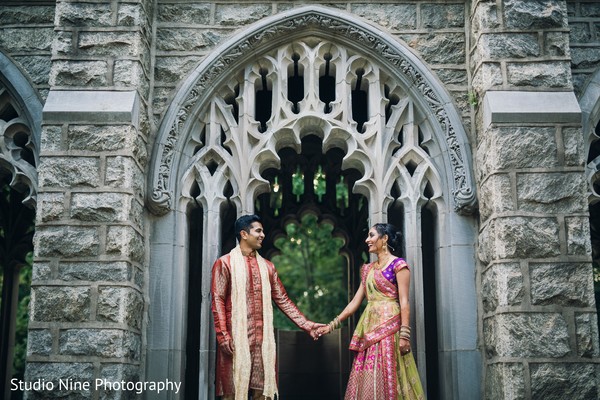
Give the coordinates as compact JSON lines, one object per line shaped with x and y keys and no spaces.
{"x":312,"y":270}
{"x":20,"y":351}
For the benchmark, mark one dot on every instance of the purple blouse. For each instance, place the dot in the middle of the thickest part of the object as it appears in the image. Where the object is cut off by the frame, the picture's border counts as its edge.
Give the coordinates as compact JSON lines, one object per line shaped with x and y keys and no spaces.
{"x":389,"y":272}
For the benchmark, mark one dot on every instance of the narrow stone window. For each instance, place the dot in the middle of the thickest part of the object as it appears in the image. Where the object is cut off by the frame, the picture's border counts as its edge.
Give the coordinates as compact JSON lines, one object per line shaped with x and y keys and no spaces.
{"x":327,"y":84}
{"x":360,"y":109}
{"x":295,"y":85}
{"x":194,"y":300}
{"x":264,"y":101}
{"x":428,"y":253}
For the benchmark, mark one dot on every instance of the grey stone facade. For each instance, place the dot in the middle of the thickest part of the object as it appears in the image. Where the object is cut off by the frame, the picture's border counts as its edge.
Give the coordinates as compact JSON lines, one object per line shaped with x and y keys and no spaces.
{"x":111,"y":74}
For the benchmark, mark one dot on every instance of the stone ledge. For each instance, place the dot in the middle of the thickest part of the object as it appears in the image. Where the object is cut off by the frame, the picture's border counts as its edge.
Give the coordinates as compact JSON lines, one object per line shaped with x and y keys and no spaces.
{"x":64,"y":106}
{"x":530,"y":107}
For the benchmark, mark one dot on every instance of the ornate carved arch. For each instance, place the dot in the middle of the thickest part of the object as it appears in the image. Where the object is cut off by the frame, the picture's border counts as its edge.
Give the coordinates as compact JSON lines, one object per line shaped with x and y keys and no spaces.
{"x":196,"y":93}
{"x":20,"y":126}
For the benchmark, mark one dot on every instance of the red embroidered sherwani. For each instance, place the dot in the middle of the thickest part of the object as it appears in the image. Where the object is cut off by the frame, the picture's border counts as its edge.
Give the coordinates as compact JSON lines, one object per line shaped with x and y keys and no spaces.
{"x":221,"y":308}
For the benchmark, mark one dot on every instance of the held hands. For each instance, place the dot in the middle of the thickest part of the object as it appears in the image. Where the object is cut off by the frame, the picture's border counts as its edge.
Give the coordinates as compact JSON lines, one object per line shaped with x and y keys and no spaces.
{"x":323,"y":330}
{"x":314,"y":328}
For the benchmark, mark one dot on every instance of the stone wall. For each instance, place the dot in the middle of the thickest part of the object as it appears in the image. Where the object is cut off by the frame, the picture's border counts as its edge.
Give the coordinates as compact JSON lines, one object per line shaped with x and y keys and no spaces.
{"x":539,"y":326}
{"x":26,"y":35}
{"x":88,"y":300}
{"x":584,"y":22}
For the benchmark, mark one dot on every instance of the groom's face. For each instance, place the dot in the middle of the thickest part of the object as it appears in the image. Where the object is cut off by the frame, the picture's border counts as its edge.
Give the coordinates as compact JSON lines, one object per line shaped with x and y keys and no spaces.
{"x":255,"y":236}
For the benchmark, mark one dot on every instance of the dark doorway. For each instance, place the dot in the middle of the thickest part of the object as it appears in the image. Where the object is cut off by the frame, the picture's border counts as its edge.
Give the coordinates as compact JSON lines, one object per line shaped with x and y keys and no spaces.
{"x":17,"y":223}
{"x":311,"y":186}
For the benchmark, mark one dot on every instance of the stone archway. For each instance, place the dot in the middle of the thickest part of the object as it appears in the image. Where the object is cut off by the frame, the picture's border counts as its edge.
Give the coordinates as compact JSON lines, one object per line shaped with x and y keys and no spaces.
{"x":235,"y":111}
{"x":20,"y":126}
{"x":590,"y":110}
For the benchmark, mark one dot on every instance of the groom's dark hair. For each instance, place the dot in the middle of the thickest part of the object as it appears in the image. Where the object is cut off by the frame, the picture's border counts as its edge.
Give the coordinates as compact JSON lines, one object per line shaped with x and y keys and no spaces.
{"x":244,"y":223}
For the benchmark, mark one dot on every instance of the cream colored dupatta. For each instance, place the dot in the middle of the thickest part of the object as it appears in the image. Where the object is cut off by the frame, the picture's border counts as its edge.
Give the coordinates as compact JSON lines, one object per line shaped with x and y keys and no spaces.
{"x":239,"y":325}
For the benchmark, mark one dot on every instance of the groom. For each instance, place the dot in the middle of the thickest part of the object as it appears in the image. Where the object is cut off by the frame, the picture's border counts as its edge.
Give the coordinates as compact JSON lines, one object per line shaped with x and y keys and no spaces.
{"x":243,"y":286}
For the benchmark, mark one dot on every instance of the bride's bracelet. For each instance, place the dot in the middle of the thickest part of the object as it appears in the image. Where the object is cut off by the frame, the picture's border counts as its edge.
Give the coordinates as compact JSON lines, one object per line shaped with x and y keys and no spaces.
{"x":334,"y":324}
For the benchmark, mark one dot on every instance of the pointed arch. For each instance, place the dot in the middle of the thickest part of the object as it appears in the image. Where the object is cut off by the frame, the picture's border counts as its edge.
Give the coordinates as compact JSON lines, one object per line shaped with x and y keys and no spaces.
{"x":16,"y":92}
{"x":274,"y":31}
{"x":211,"y":136}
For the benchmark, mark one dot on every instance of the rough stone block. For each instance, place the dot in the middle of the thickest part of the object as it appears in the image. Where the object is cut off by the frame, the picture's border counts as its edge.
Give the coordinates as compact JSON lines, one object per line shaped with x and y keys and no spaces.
{"x":510,"y":237}
{"x":495,"y":195}
{"x":79,"y":73}
{"x":560,"y":192}
{"x":37,"y":68}
{"x":41,"y":271}
{"x":505,"y":381}
{"x":578,"y":236}
{"x":66,"y":241}
{"x":555,"y":74}
{"x":587,"y":335}
{"x":574,"y":149}
{"x":391,"y":16}
{"x":502,"y":286}
{"x":171,"y":70}
{"x":556,"y":44}
{"x":452,"y":76}
{"x":83,"y":14}
{"x":109,"y":343}
{"x":590,"y":9}
{"x":95,"y":271}
{"x":567,"y":284}
{"x":63,"y":43}
{"x":98,"y":138}
{"x":125,"y":241}
{"x":26,"y":40}
{"x":101,"y":207}
{"x":557,"y":381}
{"x":526,"y":335}
{"x":120,"y":304}
{"x":129,"y":74}
{"x":508,"y":45}
{"x":52,"y":372}
{"x":51,"y":138}
{"x":60,"y":304}
{"x":69,"y":172}
{"x":238,"y":15}
{"x":505,"y":149}
{"x":585,"y":57}
{"x":487,"y":76}
{"x":39,"y":342}
{"x":118,"y":373}
{"x":439,"y":48}
{"x":190,"y":40}
{"x":132,"y":15}
{"x":440,"y":16}
{"x":51,"y":206}
{"x":123,"y":172}
{"x":533,"y":15}
{"x":116,"y":44}
{"x":580,"y":32}
{"x":27,"y":14}
{"x":485,"y":16}
{"x":193,"y":13}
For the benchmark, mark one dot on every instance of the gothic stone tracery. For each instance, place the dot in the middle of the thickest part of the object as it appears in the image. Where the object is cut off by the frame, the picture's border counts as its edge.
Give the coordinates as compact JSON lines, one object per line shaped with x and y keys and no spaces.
{"x":178,"y":119}
{"x":312,"y":87}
